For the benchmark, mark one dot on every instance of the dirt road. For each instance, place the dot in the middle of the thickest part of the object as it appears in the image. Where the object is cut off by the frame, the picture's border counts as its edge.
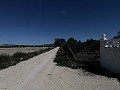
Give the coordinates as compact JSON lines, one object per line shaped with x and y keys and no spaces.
{"x":16,"y":77}
{"x":40,"y":73}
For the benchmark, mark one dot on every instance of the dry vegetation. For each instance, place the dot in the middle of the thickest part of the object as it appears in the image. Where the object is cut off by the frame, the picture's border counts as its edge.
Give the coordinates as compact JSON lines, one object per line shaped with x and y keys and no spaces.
{"x":87,"y":56}
{"x":12,"y":50}
{"x":12,"y":56}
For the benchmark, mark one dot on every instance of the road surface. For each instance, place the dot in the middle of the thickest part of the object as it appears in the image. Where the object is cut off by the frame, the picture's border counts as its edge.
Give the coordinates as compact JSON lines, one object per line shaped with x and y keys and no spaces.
{"x":40,"y":73}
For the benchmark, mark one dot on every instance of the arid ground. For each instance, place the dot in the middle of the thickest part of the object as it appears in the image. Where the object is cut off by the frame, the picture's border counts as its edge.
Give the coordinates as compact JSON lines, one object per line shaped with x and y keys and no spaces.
{"x":11,"y":51}
{"x":41,"y":73}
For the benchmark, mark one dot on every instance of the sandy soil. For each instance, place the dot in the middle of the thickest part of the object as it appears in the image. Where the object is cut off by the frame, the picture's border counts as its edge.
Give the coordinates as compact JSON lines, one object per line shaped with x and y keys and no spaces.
{"x":40,"y":73}
{"x":11,"y":51}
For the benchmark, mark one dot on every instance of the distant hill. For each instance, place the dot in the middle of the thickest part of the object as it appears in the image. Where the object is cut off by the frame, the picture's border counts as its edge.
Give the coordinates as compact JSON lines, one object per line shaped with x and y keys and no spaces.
{"x":7,"y":45}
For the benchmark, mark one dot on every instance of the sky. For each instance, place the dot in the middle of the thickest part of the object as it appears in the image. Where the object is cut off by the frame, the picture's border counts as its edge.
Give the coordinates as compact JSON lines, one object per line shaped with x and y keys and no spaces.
{"x":33,"y":22}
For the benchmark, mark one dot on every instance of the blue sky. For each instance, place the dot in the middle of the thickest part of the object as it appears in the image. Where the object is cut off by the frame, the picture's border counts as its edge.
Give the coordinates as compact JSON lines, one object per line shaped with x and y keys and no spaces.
{"x":41,"y":21}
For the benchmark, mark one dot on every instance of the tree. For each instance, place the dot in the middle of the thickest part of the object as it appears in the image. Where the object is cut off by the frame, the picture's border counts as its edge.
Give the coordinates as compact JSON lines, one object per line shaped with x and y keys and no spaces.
{"x":72,"y":47}
{"x":89,"y":42}
{"x":117,"y":36}
{"x":59,"y":41}
{"x":95,"y":47}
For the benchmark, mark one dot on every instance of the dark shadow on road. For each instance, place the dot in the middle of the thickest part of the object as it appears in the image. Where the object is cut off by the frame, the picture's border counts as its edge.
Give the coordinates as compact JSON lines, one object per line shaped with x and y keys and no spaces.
{"x":90,"y":66}
{"x":94,"y":67}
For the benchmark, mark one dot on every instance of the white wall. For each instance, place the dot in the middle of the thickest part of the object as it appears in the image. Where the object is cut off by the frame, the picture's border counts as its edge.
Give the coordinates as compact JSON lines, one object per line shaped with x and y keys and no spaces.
{"x":110,"y":56}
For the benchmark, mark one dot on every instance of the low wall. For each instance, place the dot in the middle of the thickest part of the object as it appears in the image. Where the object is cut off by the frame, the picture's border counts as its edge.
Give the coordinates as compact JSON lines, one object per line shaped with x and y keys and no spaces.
{"x":110,"y":55}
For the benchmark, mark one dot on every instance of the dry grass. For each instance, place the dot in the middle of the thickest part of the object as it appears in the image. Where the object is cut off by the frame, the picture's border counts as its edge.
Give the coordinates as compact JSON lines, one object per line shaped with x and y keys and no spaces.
{"x":9,"y":60}
{"x":11,"y":51}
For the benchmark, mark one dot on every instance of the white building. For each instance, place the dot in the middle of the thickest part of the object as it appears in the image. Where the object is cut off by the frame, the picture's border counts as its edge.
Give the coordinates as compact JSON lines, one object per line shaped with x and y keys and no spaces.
{"x":110,"y":54}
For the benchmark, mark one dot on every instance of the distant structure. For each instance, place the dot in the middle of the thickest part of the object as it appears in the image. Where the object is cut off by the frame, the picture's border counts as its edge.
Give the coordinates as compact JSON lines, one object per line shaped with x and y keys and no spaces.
{"x":104,"y":37}
{"x":110,"y":54}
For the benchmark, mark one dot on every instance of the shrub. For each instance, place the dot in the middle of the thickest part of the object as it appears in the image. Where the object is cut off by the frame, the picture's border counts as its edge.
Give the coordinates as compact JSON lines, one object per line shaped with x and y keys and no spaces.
{"x":4,"y":61}
{"x":62,"y":60}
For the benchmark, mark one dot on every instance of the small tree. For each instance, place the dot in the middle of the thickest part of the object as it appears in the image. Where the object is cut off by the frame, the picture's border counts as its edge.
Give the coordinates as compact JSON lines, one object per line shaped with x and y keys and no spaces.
{"x":59,"y":41}
{"x":73,"y":46}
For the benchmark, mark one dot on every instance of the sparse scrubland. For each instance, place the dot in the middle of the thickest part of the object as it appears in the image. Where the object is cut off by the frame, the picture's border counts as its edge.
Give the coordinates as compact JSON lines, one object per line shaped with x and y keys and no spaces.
{"x":81,"y":55}
{"x":40,"y":73}
{"x":12,"y":50}
{"x":7,"y":60}
{"x":73,"y":53}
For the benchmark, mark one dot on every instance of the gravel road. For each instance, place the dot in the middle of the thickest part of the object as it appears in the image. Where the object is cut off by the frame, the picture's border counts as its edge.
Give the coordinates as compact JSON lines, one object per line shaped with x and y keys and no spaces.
{"x":40,"y":73}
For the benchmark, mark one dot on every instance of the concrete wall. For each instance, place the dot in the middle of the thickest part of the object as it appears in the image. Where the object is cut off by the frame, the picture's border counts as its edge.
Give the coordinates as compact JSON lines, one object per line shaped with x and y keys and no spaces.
{"x":110,"y":55}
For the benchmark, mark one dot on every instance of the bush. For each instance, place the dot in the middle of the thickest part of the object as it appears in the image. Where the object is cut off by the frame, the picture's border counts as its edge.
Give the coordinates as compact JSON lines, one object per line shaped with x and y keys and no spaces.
{"x":61,"y":52}
{"x":4,"y":61}
{"x":62,"y":60}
